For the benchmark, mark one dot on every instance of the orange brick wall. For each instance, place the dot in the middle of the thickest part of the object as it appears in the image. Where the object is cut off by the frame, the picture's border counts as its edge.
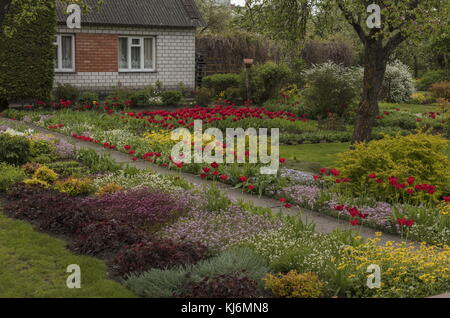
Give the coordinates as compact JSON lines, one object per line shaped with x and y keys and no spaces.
{"x":96,"y":52}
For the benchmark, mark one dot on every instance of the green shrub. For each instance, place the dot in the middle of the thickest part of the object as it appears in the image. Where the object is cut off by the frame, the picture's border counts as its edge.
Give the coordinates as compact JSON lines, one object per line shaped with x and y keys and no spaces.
{"x":420,"y":156}
{"x":441,"y":90}
{"x":69,"y":168}
{"x":10,"y":175}
{"x":119,"y":97}
{"x":156,"y":283}
{"x":145,"y":97}
{"x":221,"y":82}
{"x":66,"y":92}
{"x":204,"y":96}
{"x":97,"y":162}
{"x":42,"y":148}
{"x":431,"y":77}
{"x":266,"y":80}
{"x":233,"y":94}
{"x":171,"y":98}
{"x":447,"y":129}
{"x":404,"y":120}
{"x":27,"y":55}
{"x":398,"y":84}
{"x":88,"y":98}
{"x":139,"y":99}
{"x":217,"y":201}
{"x":330,"y":88}
{"x":14,"y":149}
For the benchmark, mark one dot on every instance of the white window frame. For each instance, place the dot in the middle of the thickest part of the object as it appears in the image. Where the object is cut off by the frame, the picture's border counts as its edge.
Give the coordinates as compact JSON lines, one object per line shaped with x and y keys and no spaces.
{"x":141,"y":45}
{"x":58,"y":44}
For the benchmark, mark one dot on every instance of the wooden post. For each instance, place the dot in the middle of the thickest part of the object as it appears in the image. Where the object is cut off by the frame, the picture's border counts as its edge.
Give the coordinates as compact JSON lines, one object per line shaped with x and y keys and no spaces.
{"x":248,"y":64}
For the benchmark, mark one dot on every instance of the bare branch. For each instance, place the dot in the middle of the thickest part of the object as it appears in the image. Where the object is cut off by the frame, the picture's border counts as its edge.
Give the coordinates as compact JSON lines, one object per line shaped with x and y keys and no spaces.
{"x":393,"y":43}
{"x":350,"y":19}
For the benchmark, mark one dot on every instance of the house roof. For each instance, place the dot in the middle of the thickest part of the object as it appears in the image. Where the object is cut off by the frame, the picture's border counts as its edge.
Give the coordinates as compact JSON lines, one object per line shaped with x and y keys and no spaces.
{"x":143,"y":13}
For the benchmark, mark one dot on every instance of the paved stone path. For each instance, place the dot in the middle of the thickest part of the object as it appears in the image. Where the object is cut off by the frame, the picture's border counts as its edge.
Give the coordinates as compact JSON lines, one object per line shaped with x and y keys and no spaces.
{"x":323,"y":223}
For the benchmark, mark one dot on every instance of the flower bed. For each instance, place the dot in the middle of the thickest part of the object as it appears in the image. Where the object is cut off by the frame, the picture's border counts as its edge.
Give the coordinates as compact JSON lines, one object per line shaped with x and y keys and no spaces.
{"x":172,"y":240}
{"x":392,"y":205}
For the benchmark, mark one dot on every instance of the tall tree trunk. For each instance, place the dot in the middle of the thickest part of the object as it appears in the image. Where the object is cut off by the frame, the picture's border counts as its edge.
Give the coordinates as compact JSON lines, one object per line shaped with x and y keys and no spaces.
{"x":416,"y":66}
{"x":374,"y":69}
{"x":4,"y":7}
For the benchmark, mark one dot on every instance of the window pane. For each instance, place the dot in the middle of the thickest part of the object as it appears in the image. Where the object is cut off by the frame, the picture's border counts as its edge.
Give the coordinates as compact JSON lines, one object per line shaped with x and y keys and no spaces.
{"x":123,"y":53}
{"x":136,"y":41}
{"x":148,"y":53}
{"x":135,"y":57}
{"x":56,"y":56}
{"x":66,"y":45}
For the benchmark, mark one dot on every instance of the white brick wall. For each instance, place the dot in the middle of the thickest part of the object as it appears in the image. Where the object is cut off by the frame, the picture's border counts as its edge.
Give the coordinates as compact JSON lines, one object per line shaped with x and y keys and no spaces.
{"x":175,"y":61}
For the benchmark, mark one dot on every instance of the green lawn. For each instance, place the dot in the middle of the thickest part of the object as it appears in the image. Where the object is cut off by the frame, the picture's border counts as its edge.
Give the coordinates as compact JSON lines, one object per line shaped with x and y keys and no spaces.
{"x":315,"y":156}
{"x":33,"y":264}
{"x":312,"y":157}
{"x":414,"y":108}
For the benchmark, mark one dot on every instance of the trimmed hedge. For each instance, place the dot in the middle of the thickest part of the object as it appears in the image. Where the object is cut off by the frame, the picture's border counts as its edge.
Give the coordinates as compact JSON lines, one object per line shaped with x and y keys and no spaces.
{"x":221,"y":82}
{"x":26,"y":57}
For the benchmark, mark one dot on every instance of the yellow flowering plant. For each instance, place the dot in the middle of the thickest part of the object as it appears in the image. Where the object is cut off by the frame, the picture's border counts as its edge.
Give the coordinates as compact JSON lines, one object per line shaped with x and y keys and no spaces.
{"x":407,"y":270}
{"x":294,"y":285}
{"x":75,"y":186}
{"x":45,"y":174}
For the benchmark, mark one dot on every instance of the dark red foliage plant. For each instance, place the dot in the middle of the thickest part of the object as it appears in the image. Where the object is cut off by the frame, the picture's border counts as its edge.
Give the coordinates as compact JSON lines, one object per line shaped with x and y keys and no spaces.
{"x":107,"y":236}
{"x":222,"y":286}
{"x":156,"y":254}
{"x":50,"y":210}
{"x":145,"y":208}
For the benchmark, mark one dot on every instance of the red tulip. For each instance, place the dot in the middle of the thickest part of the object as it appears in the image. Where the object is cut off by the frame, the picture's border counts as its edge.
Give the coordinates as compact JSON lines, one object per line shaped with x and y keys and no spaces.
{"x":215,"y":165}
{"x":179,"y":165}
{"x":243,"y":179}
{"x":335,"y":172}
{"x":354,"y":212}
{"x":405,"y":222}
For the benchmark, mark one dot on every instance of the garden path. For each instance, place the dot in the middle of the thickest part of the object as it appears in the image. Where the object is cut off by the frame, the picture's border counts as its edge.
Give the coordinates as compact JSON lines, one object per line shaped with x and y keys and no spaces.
{"x":323,"y":223}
